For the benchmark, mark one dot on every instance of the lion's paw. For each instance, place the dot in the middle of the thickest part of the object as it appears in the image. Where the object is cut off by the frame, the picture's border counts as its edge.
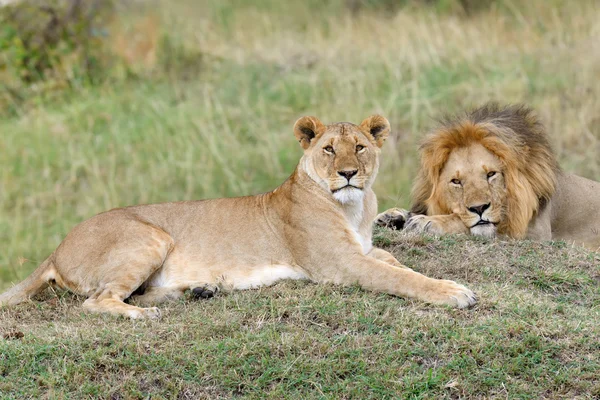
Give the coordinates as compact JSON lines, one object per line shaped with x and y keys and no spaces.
{"x":452,"y":294}
{"x":424,"y":224}
{"x":394,"y":218}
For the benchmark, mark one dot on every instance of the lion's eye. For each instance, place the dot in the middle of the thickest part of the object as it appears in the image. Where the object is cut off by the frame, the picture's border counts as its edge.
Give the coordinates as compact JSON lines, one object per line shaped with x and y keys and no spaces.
{"x":455,"y":181}
{"x":328,"y":149}
{"x":359,"y":148}
{"x":491,"y":173}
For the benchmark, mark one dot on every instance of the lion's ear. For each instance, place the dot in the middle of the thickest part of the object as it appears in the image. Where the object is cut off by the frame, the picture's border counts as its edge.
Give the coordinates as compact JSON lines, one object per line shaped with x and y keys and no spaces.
{"x":378,"y":127}
{"x":306,"y":129}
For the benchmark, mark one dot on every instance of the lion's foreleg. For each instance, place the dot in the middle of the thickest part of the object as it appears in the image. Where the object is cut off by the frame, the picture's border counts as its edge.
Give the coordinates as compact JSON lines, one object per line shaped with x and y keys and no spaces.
{"x":436,"y":224}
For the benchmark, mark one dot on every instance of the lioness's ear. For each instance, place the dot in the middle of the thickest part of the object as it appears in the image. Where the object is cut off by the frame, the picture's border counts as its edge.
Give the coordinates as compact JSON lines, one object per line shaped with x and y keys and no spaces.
{"x":378,"y":127}
{"x":306,"y":129}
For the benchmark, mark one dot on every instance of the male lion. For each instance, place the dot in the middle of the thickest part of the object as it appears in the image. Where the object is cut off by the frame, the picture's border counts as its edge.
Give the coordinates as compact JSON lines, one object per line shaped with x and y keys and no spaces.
{"x":492,"y":171}
{"x":316,"y":225}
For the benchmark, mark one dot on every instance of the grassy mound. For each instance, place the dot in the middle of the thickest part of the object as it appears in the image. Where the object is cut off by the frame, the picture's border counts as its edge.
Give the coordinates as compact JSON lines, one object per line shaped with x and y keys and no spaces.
{"x":534,"y":334}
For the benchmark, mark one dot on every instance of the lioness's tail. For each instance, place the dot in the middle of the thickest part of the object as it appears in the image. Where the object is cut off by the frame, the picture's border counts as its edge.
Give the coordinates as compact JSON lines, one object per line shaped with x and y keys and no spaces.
{"x":32,"y":285}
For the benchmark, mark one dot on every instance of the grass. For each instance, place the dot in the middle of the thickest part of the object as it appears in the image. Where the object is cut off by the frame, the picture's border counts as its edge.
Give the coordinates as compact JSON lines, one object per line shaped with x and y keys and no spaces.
{"x":534,"y":334}
{"x":213,"y":117}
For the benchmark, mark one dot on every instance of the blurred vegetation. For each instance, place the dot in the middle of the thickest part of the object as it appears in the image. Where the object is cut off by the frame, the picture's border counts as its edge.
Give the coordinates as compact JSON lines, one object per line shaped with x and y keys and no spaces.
{"x":43,"y":39}
{"x":54,"y":45}
{"x":149,"y":101}
{"x":465,"y":7}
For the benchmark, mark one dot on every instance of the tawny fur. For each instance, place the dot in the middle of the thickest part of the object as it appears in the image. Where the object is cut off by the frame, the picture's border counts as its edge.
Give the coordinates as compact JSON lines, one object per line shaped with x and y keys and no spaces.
{"x":529,"y":197}
{"x":316,"y":225}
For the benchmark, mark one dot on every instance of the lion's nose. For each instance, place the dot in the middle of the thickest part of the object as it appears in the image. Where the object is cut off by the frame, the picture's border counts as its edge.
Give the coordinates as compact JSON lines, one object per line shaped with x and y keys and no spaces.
{"x":479,"y":209}
{"x":348,"y":174}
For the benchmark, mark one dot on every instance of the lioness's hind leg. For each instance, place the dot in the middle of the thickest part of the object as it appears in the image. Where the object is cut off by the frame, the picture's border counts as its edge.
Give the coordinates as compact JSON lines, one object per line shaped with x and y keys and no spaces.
{"x":124,"y":280}
{"x":205,"y":291}
{"x":128,"y":265}
{"x":157,"y":295}
{"x":115,"y":305}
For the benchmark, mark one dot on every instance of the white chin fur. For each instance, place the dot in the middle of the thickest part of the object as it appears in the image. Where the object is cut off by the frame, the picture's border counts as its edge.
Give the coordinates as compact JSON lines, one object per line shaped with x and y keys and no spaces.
{"x":487,"y":230}
{"x":348,"y":195}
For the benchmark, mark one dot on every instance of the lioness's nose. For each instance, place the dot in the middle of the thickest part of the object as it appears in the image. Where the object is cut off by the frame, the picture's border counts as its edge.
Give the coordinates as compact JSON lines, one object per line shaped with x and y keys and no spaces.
{"x":479,"y":209}
{"x":348,"y":174}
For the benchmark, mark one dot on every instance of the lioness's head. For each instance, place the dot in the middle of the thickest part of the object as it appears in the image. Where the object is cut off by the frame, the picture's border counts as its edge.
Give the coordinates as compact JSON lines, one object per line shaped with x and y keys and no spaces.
{"x":493,"y":167}
{"x":343,"y":158}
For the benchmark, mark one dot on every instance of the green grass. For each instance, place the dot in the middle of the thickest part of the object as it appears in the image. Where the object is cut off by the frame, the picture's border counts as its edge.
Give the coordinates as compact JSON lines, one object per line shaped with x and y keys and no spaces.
{"x":533,"y":334}
{"x":213,"y":117}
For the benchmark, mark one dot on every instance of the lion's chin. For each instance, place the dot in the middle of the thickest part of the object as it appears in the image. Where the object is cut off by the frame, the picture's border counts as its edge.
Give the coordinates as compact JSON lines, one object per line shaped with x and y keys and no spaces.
{"x":485,"y":230}
{"x":348,"y":194}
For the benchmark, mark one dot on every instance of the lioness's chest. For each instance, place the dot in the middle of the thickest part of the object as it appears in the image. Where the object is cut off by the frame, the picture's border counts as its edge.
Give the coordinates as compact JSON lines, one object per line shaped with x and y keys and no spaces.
{"x":355,"y":214}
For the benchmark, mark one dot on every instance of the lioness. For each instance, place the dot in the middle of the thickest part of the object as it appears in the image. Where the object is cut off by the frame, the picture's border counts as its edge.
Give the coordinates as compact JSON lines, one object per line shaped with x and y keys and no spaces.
{"x":492,"y":171}
{"x":316,"y":225}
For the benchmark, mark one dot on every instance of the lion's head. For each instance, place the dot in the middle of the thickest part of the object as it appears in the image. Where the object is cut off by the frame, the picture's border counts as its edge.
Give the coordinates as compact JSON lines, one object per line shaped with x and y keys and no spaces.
{"x":343,"y":158}
{"x":493,"y":167}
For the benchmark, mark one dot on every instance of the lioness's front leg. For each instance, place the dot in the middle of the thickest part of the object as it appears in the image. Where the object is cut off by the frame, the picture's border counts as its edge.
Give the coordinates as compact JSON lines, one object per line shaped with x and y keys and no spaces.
{"x":378,"y":276}
{"x":436,"y":224}
{"x":385,"y":256}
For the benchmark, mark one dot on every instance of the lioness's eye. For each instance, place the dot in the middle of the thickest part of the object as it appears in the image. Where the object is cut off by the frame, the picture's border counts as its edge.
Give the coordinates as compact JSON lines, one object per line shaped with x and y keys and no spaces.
{"x":491,"y":173}
{"x":359,"y":148}
{"x":455,"y":181}
{"x":328,"y":149}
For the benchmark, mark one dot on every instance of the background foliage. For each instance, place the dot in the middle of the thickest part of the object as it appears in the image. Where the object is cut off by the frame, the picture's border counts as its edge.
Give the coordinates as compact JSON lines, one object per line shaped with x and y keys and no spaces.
{"x":151,"y":101}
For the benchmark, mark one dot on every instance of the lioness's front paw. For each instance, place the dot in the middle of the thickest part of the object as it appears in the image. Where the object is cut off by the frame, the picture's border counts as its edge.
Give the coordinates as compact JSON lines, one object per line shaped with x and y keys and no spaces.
{"x":140,"y":313}
{"x":424,"y":224}
{"x":394,"y":218}
{"x":451,"y":293}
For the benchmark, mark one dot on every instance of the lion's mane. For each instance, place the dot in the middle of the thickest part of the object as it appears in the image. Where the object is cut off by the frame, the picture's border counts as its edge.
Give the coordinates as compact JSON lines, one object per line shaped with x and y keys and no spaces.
{"x":515,"y":135}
